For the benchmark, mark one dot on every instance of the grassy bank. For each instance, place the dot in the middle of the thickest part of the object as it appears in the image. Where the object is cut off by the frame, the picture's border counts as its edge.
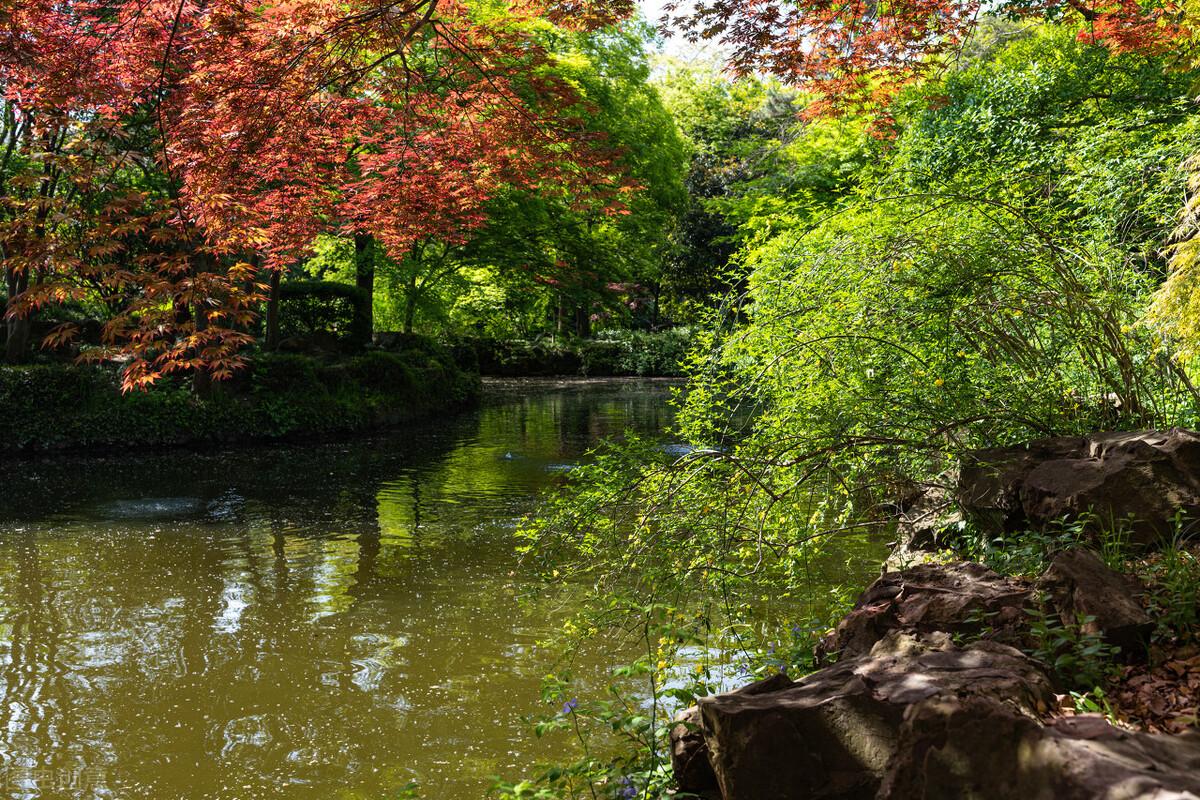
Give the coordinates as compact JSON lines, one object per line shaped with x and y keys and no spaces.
{"x":48,"y":407}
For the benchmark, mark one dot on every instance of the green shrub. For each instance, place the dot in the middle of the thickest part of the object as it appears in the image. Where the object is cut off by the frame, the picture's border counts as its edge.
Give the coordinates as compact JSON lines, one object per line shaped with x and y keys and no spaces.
{"x":1079,"y":659}
{"x":642,"y":353}
{"x":384,"y":372}
{"x":57,"y":406}
{"x":311,"y":307}
{"x":660,"y":353}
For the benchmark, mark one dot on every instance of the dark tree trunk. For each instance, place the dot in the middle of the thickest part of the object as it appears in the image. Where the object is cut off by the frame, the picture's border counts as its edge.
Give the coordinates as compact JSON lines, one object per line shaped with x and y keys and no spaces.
{"x":16,"y":344}
{"x":364,"y":279}
{"x":583,"y":322}
{"x":201,"y":377}
{"x":272,"y":340}
{"x":202,"y":382}
{"x":410,"y":306}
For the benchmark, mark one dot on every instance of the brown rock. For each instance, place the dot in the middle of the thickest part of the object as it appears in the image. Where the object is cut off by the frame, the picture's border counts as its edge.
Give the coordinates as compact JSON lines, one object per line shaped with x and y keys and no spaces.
{"x":956,"y":598}
{"x":1140,"y":479}
{"x":924,"y":526}
{"x":689,"y":751}
{"x":832,"y":733}
{"x":990,"y":481}
{"x":1081,"y":585}
{"x":977,"y":749}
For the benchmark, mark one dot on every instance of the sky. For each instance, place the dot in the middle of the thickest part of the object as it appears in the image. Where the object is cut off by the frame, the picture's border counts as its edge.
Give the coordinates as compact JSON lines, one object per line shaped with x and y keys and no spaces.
{"x":676,"y":46}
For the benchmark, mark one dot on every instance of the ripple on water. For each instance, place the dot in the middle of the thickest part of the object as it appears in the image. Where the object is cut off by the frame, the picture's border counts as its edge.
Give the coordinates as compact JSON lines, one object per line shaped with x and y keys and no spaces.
{"x":302,"y":620}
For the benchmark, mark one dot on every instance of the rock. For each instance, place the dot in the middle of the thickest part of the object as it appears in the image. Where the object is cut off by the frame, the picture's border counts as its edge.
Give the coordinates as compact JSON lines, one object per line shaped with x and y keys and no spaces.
{"x":317,"y":343}
{"x":1081,"y":585}
{"x":989,"y":481}
{"x":976,"y":748}
{"x":1141,"y":479}
{"x":831,"y":734}
{"x":956,"y":598}
{"x":689,"y":751}
{"x":924,"y":526}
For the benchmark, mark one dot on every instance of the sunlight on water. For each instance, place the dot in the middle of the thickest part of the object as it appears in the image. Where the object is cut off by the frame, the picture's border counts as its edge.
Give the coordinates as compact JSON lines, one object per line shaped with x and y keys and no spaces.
{"x":300,"y":621}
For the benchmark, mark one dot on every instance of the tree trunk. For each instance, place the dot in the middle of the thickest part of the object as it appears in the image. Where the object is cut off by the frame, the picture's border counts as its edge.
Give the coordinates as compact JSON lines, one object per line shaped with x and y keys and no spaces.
{"x":16,"y":345}
{"x":583,"y":322}
{"x":364,"y":279}
{"x":201,"y":377}
{"x":272,"y":340}
{"x":410,"y":307}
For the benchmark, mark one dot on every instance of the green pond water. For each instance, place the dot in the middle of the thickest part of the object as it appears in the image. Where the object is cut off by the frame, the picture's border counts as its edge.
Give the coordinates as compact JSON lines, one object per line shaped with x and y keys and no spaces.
{"x":330,"y":620}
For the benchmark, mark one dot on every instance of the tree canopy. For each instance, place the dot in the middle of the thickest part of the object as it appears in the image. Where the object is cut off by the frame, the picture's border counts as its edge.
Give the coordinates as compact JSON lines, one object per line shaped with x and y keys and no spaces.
{"x":159,"y":153}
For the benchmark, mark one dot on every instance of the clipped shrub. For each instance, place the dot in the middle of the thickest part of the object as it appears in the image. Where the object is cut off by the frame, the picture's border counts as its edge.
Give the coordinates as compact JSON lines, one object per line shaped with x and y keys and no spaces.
{"x":60,"y":406}
{"x":307,"y":308}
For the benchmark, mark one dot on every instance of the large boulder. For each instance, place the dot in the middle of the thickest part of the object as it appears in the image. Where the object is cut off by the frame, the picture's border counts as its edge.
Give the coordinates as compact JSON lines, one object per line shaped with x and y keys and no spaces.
{"x":689,"y":751}
{"x":831,"y":734}
{"x":978,"y":749}
{"x":1140,"y":479}
{"x":959,"y":598}
{"x":1081,"y":586}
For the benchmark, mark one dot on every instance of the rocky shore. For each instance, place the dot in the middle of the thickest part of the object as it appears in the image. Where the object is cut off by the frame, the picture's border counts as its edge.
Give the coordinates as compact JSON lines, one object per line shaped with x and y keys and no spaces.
{"x":939,"y":683}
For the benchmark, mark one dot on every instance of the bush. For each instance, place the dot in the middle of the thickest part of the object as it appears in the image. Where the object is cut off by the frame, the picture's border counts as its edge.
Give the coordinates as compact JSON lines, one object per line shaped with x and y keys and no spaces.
{"x":57,"y":406}
{"x":661,"y":353}
{"x":642,"y":353}
{"x":311,"y":307}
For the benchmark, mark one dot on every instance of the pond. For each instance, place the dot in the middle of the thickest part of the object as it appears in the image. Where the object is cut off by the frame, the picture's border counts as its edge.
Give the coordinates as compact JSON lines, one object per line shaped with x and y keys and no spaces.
{"x":302,"y":621}
{"x":331,"y":620}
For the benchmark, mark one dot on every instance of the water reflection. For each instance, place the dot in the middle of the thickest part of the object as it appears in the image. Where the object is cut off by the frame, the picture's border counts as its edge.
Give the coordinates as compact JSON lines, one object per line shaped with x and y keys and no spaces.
{"x":304,"y":621}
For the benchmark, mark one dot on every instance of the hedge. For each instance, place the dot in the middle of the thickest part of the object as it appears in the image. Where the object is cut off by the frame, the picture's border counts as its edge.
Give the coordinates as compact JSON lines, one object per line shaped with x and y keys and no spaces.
{"x":633,"y":353}
{"x":45,"y":407}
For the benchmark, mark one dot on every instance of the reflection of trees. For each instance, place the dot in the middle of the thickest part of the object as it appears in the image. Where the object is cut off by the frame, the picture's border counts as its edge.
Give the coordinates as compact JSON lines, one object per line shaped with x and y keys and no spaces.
{"x":357,"y":588}
{"x":36,"y":718}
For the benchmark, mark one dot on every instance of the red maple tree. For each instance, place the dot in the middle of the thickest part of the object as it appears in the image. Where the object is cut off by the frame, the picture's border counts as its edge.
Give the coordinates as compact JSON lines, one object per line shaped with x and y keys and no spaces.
{"x":260,"y":126}
{"x":855,"y":54}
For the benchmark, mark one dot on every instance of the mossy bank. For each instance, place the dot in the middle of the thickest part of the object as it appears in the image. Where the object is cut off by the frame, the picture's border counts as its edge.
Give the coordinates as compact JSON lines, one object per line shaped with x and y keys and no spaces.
{"x":52,"y":407}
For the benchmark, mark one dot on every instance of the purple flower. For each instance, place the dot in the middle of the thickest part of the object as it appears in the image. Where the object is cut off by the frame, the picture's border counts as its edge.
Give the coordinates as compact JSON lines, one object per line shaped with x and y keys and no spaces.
{"x":629,"y":790}
{"x":570,"y":705}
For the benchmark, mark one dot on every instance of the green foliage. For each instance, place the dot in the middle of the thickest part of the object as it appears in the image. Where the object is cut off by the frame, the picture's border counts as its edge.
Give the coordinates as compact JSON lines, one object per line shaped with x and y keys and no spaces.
{"x":622,"y":737}
{"x":1024,"y":553}
{"x":1079,"y":659}
{"x":750,"y":157}
{"x":311,"y":307}
{"x":1094,"y":701}
{"x":540,"y":255}
{"x":56,"y":407}
{"x":618,"y":352}
{"x":614,"y":352}
{"x":979,"y":280}
{"x":878,"y":342}
{"x":1173,"y":577}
